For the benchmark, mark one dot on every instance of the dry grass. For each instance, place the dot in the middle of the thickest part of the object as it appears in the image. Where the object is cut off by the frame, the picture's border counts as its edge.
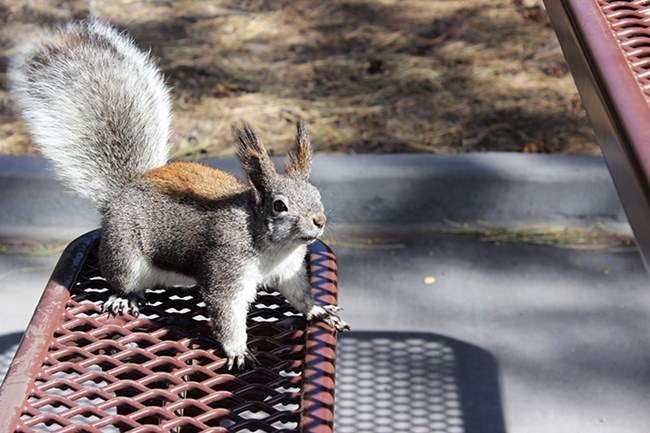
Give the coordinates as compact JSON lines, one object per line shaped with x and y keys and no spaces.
{"x":594,"y":238}
{"x":24,"y":247}
{"x":370,"y":76}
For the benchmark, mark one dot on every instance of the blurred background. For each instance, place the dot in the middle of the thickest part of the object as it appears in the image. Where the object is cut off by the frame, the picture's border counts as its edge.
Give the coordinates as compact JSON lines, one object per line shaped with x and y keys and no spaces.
{"x":371,"y":76}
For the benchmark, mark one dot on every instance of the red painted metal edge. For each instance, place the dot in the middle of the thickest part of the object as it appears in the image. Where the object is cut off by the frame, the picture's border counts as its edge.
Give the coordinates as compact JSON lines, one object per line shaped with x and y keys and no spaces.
{"x":319,"y":368}
{"x":39,"y":334}
{"x":614,"y":101}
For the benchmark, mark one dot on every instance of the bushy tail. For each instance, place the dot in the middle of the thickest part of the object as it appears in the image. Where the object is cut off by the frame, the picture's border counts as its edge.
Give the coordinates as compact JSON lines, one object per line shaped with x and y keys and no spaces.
{"x":96,"y":106}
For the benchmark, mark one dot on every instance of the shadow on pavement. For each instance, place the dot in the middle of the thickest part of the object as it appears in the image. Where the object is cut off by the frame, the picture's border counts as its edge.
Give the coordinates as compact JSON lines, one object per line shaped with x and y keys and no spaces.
{"x":415,"y":382}
{"x":8,"y":346}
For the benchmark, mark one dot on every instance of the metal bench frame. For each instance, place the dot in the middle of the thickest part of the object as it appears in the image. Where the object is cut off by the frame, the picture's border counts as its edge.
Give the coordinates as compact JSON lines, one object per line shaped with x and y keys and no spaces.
{"x":607,"y":47}
{"x":68,"y":332}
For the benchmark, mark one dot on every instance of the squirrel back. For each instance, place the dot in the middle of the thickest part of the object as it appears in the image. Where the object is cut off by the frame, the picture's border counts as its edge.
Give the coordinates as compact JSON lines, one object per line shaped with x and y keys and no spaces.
{"x":96,"y":106}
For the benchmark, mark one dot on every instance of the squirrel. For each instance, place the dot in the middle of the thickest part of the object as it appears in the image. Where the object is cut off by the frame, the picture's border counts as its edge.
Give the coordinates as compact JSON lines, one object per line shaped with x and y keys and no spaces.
{"x":98,"y":108}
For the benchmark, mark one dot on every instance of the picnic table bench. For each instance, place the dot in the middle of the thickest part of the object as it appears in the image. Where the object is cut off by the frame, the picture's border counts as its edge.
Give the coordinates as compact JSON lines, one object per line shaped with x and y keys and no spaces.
{"x":607,"y":46}
{"x":79,"y":369}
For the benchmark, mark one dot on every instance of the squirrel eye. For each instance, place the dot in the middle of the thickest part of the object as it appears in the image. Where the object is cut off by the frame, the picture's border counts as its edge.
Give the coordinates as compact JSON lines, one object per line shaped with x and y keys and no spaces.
{"x":279,"y":206}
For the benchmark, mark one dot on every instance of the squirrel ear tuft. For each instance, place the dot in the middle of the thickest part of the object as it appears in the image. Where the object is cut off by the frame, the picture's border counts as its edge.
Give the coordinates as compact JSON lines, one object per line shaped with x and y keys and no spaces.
{"x":301,"y":153}
{"x":255,"y":161}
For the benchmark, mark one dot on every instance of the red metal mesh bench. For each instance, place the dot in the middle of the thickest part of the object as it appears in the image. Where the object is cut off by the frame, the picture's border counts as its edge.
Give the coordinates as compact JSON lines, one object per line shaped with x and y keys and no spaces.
{"x":77,"y":369}
{"x":607,"y":46}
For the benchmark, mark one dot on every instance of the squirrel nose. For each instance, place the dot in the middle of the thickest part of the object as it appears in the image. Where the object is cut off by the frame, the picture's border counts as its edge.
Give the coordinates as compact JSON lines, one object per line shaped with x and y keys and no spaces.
{"x":319,"y":220}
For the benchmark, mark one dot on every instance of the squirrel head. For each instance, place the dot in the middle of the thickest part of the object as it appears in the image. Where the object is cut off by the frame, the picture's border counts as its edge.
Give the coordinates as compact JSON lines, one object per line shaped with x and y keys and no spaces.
{"x":289,"y":206}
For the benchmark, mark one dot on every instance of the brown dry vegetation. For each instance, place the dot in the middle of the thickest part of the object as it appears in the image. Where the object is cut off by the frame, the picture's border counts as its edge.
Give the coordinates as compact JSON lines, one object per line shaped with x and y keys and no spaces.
{"x":369,"y":75}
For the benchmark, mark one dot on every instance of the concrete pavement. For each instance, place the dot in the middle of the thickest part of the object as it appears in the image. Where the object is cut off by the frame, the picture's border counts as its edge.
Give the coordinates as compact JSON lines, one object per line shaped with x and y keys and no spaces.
{"x":450,"y":333}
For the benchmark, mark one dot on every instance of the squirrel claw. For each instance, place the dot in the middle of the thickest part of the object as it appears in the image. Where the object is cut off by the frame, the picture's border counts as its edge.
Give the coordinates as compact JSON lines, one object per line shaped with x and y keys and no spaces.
{"x":337,"y":323}
{"x":125,"y":304}
{"x":328,"y":314}
{"x":332,"y":309}
{"x":242,"y":361}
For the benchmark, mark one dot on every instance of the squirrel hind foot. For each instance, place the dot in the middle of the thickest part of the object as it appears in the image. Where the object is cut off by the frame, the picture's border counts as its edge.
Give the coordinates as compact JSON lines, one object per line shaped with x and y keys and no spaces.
{"x":123,"y":304}
{"x":243,"y":361}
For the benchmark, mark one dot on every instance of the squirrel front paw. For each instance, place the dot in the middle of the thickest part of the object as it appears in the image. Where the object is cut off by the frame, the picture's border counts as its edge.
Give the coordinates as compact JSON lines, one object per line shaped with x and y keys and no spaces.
{"x":328,"y":314}
{"x":242,"y":360}
{"x":123,"y":304}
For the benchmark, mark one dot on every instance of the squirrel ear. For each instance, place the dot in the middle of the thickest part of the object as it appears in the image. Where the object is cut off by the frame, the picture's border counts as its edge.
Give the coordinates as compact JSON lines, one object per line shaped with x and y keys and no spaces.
{"x":255,"y":161}
{"x":300,"y":154}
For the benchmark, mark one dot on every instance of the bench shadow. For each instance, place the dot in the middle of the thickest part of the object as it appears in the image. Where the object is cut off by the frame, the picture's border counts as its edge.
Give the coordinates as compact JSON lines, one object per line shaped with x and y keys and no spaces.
{"x":8,"y":346}
{"x":415,"y":382}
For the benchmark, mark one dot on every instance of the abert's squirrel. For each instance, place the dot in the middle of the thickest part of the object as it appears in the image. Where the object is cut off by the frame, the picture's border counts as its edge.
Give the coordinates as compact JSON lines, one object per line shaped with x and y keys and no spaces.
{"x":98,"y":108}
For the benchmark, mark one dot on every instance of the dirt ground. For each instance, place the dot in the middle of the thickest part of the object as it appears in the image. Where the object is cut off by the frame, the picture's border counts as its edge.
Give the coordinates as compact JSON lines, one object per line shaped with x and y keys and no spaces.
{"x":371,"y":76}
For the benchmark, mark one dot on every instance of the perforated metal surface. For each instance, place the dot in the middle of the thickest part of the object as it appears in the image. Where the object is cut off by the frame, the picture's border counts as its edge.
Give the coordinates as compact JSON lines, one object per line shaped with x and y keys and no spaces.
{"x":164,"y":371}
{"x":630,"y":22}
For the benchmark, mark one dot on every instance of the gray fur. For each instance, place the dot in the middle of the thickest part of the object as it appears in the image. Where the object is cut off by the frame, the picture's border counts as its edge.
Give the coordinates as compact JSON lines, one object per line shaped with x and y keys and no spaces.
{"x":98,"y":109}
{"x":96,"y":106}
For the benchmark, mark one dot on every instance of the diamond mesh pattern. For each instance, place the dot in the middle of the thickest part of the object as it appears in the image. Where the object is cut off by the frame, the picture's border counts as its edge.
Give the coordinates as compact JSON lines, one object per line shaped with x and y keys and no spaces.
{"x":164,"y":371}
{"x":630,"y":23}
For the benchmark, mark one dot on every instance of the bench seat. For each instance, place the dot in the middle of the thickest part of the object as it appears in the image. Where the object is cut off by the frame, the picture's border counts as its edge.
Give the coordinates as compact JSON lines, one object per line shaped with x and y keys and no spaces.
{"x":78,"y":369}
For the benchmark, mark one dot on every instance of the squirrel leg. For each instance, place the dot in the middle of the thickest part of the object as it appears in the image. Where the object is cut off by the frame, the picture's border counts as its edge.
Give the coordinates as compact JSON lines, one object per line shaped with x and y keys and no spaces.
{"x":129,"y":276}
{"x":228,"y":309}
{"x":297,"y":290}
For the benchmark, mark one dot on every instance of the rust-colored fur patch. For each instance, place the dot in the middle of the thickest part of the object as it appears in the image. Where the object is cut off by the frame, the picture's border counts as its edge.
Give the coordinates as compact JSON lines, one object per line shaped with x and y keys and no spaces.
{"x":194,"y":181}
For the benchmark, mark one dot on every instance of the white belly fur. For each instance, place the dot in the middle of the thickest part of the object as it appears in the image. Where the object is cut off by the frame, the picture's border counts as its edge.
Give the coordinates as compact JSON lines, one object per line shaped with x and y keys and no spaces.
{"x":147,"y":276}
